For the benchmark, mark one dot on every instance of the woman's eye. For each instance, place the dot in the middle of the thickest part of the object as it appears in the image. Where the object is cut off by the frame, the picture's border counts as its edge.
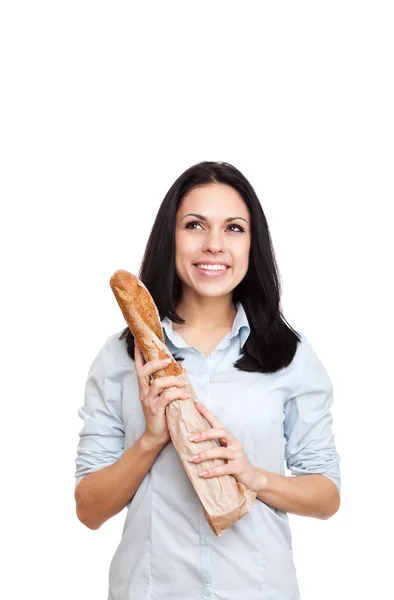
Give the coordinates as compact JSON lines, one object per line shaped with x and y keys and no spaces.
{"x":192,"y":223}
{"x":188,"y":226}
{"x":239,"y":226}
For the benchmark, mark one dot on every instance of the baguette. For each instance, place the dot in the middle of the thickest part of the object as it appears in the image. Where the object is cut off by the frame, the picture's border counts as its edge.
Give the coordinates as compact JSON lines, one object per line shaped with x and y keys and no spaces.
{"x":224,"y":500}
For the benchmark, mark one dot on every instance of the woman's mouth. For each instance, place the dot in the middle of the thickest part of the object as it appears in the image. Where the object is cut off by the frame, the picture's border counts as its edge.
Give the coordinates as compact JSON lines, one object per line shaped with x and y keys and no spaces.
{"x":212,"y":273}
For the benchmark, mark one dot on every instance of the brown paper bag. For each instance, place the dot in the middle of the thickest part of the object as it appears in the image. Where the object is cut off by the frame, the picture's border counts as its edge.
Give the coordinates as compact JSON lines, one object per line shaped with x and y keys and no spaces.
{"x":224,"y":501}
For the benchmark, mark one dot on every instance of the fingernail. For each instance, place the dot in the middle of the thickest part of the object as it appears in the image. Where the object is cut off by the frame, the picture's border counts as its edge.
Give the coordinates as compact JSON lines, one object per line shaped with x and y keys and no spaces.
{"x":193,"y":458}
{"x":193,"y":438}
{"x":167,"y":361}
{"x":202,"y":473}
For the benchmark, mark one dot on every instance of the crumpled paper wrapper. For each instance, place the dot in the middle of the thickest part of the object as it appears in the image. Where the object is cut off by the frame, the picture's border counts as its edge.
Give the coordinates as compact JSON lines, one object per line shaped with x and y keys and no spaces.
{"x":224,"y":500}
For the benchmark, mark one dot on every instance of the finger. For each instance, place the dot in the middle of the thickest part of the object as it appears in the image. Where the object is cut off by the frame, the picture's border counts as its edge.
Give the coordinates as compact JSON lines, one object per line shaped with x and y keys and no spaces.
{"x":212,"y":434}
{"x":212,"y":420}
{"x":162,"y":383}
{"x":170,"y":395}
{"x":139,"y":364}
{"x":153,"y":365}
{"x":228,"y":469}
{"x":219,"y":452}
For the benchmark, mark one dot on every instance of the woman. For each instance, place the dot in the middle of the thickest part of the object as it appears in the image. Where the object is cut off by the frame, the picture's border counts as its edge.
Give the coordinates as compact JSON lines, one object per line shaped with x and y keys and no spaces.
{"x":210,"y":267}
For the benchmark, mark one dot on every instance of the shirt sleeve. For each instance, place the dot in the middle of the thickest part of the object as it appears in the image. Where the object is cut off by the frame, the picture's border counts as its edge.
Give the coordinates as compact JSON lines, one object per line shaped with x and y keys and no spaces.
{"x":310,"y":445}
{"x":101,"y":439}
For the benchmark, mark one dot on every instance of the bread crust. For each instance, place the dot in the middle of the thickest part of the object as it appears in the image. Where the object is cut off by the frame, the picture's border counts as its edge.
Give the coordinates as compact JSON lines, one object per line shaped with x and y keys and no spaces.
{"x":142,"y":317}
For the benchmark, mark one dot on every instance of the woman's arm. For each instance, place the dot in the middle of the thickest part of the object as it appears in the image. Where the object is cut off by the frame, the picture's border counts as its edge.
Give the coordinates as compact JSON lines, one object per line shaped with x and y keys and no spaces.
{"x":102,"y":494}
{"x":108,"y":476}
{"x":308,"y":495}
{"x":310,"y":450}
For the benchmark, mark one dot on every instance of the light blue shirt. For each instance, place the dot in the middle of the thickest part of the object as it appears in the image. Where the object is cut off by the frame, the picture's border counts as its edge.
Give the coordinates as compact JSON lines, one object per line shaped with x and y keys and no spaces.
{"x":167,"y":550}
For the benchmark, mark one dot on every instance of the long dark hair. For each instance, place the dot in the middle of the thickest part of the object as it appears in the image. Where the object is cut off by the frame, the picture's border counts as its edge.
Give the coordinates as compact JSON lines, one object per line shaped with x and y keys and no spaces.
{"x":272,"y":342}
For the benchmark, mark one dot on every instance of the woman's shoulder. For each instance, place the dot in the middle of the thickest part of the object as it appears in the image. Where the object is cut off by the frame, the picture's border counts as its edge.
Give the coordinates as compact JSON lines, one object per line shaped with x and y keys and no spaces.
{"x":306,"y":351}
{"x":306,"y":361}
{"x":112,"y":355}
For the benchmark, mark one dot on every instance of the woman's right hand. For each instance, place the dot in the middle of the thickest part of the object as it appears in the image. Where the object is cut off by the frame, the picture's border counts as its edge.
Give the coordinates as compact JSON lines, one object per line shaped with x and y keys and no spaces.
{"x":155,"y":394}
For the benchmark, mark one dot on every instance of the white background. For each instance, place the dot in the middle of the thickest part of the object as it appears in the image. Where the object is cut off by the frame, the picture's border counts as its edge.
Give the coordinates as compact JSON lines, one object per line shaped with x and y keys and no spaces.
{"x":103,"y":106}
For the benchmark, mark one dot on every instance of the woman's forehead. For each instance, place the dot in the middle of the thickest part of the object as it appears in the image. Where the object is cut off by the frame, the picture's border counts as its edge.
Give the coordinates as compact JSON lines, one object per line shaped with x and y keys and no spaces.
{"x":215,"y":202}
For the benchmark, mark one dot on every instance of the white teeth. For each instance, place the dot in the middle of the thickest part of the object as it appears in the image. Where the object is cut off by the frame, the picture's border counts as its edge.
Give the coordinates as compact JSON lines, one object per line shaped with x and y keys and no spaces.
{"x":212,"y":267}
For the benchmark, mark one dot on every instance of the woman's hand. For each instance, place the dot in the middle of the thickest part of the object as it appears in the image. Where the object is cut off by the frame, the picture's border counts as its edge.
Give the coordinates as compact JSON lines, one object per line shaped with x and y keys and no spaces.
{"x":230,"y":449}
{"x":155,"y":394}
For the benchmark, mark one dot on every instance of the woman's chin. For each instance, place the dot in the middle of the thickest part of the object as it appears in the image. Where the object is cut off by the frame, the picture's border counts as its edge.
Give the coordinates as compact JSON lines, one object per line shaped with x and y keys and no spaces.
{"x":210,"y":291}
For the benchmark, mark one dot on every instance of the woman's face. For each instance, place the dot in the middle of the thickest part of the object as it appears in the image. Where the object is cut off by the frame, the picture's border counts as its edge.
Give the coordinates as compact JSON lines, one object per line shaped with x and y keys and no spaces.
{"x":220,"y":235}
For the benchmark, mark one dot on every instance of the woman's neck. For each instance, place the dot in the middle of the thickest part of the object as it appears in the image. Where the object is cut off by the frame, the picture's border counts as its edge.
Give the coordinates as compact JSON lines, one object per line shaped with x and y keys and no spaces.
{"x":207,"y":313}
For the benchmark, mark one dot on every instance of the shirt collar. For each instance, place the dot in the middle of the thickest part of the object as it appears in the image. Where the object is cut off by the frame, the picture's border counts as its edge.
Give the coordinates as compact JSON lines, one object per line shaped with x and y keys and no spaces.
{"x":240,"y":325}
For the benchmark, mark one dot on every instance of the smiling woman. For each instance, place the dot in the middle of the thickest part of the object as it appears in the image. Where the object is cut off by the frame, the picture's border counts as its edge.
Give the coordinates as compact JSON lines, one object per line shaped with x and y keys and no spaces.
{"x":212,"y":255}
{"x":211,"y":215}
{"x":210,"y":267}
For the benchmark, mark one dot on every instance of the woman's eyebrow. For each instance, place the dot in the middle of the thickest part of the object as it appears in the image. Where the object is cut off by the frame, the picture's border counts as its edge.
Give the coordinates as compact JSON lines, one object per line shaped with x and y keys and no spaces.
{"x":202,"y":218}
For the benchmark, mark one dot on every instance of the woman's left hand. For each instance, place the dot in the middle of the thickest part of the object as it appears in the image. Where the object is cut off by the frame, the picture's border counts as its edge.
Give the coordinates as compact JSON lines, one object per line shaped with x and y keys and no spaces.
{"x":230,"y":449}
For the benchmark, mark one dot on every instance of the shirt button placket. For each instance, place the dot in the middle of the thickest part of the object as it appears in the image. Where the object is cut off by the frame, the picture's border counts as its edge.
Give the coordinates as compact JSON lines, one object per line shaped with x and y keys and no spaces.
{"x":205,"y":556}
{"x":204,"y":380}
{"x":205,"y":375}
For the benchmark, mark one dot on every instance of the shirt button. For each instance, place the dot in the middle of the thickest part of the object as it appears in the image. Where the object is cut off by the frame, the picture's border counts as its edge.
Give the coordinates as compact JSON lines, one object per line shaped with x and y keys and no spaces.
{"x":204,"y":541}
{"x":207,"y":591}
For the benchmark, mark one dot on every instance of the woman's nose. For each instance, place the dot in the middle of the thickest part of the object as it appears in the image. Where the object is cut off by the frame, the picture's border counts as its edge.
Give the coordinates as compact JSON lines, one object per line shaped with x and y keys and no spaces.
{"x":214,"y":241}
